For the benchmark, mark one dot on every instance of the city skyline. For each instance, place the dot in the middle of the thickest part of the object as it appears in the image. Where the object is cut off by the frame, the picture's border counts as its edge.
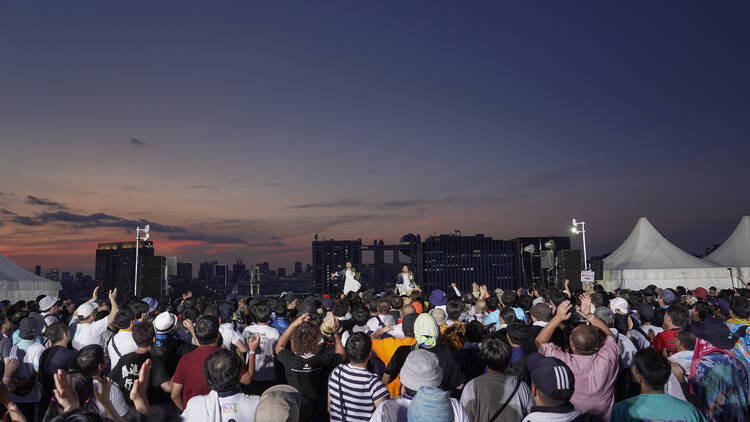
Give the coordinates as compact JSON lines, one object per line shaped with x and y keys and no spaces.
{"x":244,"y":129}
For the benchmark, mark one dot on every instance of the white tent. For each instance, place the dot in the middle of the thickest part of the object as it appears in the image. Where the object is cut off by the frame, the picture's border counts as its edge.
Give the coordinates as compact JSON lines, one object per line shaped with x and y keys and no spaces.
{"x":19,"y":284}
{"x":646,"y":257}
{"x":735,"y":251}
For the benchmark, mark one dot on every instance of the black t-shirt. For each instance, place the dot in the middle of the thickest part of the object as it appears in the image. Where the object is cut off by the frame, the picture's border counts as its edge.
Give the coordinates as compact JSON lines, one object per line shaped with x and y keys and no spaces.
{"x":453,"y":375}
{"x":52,"y":359}
{"x":171,"y":350}
{"x":310,"y":378}
{"x":129,"y":367}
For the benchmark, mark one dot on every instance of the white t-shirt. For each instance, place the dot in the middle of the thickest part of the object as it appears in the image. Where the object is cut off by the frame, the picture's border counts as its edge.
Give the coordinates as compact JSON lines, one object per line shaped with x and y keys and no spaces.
{"x":125,"y":344}
{"x":228,"y":335}
{"x":28,"y":364}
{"x":115,"y":396}
{"x":90,"y":333}
{"x":212,"y":408}
{"x":264,"y":356}
{"x":396,"y":410}
{"x":374,"y":325}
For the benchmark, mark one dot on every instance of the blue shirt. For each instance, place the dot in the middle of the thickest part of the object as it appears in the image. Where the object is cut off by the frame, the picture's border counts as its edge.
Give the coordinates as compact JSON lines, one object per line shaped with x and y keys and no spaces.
{"x":280,"y":324}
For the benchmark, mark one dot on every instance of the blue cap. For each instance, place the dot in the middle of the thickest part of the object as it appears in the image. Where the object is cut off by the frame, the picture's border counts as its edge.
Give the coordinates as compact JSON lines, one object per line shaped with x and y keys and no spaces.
{"x":551,"y":376}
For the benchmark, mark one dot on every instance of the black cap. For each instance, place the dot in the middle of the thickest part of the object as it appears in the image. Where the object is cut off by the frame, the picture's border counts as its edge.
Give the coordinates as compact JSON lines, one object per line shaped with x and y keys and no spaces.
{"x":551,"y":376}
{"x":715,"y":332}
{"x":30,"y":328}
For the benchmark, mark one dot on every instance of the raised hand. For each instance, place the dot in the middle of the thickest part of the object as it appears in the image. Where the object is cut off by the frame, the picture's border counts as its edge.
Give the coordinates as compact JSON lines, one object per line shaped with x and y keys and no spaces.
{"x":563,"y":311}
{"x":102,"y":394}
{"x":585,"y":305}
{"x":253,"y":342}
{"x":138,"y":392}
{"x":113,"y":295}
{"x":65,"y":393}
{"x":11,"y":366}
{"x":95,"y":294}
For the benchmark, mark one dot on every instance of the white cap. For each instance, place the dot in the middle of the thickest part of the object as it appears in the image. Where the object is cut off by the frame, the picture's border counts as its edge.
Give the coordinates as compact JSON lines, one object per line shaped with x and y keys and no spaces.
{"x":47,"y":302}
{"x":85,"y":310}
{"x":619,"y":305}
{"x":165,"y":323}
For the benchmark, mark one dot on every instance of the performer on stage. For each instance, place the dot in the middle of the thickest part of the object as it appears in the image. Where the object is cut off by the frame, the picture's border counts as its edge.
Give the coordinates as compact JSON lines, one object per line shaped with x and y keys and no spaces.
{"x":405,"y":282}
{"x":351,"y":282}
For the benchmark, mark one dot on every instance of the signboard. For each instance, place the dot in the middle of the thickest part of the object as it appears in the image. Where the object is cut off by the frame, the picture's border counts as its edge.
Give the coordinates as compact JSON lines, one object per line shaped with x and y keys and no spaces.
{"x":588,"y":277}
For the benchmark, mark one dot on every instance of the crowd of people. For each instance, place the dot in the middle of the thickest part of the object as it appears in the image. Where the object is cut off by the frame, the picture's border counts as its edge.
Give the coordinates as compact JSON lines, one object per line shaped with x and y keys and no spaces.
{"x":531,"y":355}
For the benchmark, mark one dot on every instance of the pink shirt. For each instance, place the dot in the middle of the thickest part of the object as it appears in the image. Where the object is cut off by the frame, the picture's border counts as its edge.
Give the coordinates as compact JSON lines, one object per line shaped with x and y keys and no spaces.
{"x":594,"y":377}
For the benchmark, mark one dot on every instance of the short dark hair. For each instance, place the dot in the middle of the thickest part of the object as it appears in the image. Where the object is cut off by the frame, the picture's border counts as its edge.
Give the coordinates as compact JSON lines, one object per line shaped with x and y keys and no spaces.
{"x":652,"y":367}
{"x":143,"y":334}
{"x":222,"y":370}
{"x":88,"y":359}
{"x":525,"y":302}
{"x":517,"y":332}
{"x":585,"y":339}
{"x":138,"y":308}
{"x":360,"y":315}
{"x":475,"y":331}
{"x":407,"y":324}
{"x":509,"y":298}
{"x":262,"y":313}
{"x":686,"y":338}
{"x":123,"y":319}
{"x":703,"y":309}
{"x":740,"y":306}
{"x":191,"y":313}
{"x":383,"y":306}
{"x":492,"y":302}
{"x":358,"y":347}
{"x":680,"y":315}
{"x":207,"y":330}
{"x":56,"y":332}
{"x":508,"y":315}
{"x":340,"y":308}
{"x":396,"y":302}
{"x":495,"y":353}
{"x":453,"y":308}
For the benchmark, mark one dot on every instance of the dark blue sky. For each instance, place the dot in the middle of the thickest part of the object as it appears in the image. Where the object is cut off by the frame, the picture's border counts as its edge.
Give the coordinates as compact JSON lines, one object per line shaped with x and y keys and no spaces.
{"x":257,"y":124}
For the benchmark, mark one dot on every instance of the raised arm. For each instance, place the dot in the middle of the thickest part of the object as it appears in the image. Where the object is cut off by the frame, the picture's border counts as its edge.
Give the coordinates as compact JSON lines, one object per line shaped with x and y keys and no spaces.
{"x":562,"y":314}
{"x":284,"y":339}
{"x":596,"y":322}
{"x":115,"y":308}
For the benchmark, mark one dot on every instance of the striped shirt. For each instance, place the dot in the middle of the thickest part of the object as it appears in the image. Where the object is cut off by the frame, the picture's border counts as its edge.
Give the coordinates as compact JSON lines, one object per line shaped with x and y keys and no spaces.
{"x":358,"y":389}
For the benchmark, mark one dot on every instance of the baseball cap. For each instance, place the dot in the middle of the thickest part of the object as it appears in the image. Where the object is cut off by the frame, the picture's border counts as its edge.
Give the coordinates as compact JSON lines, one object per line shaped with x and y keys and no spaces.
{"x":700,"y":293}
{"x":667,"y":296}
{"x":164,"y":323}
{"x":151,"y":302}
{"x":47,"y":302}
{"x":85,"y":310}
{"x":30,"y":328}
{"x":551,"y":376}
{"x":619,"y":304}
{"x":421,"y":369}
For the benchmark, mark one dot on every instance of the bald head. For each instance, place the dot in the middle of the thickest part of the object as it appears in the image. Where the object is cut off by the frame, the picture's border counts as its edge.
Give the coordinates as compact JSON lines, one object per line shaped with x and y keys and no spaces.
{"x":584,"y":340}
{"x":406,"y":310}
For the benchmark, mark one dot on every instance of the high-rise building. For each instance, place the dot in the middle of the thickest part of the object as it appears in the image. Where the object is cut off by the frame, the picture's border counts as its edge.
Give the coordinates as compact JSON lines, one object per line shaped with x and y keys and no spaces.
{"x":452,"y":258}
{"x":184,"y":272}
{"x":66,"y":277}
{"x":115,"y":265}
{"x":298,"y":268}
{"x":239,"y":272}
{"x":38,"y":270}
{"x":221,"y":276}
{"x":154,"y":271}
{"x":281,"y":272}
{"x":330,"y":256}
{"x":207,"y":273}
{"x":53,"y":274}
{"x":265,"y":268}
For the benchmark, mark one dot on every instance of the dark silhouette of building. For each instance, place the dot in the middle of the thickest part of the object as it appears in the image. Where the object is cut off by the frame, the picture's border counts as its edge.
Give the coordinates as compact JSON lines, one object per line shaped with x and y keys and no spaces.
{"x":221,"y":276}
{"x":452,"y":258}
{"x":38,"y":270}
{"x":265,"y":268}
{"x":330,"y":256}
{"x":281,"y":272}
{"x":115,"y":265}
{"x":297,"y":268}
{"x":184,"y":272}
{"x":207,"y":273}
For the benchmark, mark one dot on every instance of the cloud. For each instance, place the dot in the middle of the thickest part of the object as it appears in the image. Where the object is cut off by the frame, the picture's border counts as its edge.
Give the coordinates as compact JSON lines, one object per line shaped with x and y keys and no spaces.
{"x":413,"y":203}
{"x":137,"y":142}
{"x":33,"y":200}
{"x":91,"y":221}
{"x":227,"y":240}
{"x":203,"y":186}
{"x":4,"y":211}
{"x":329,"y":204}
{"x":272,"y":185}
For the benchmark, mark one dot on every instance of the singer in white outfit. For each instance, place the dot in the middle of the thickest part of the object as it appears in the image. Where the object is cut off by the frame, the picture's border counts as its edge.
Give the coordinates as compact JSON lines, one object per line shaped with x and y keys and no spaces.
{"x":351,"y":284}
{"x":405,"y":282}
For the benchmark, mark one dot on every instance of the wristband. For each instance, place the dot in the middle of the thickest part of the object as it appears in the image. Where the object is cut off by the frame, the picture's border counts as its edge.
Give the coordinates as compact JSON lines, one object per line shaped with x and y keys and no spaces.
{"x":7,"y":379}
{"x":252,"y":352}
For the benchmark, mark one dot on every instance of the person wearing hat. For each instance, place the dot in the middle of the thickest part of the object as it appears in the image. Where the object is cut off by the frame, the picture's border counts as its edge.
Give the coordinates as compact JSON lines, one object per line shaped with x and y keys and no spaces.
{"x":739,"y":323}
{"x":496,"y":396}
{"x":229,"y":335}
{"x":88,"y":331}
{"x":437,"y":299}
{"x":541,"y":314}
{"x":167,"y":346}
{"x":666,"y":298}
{"x":594,"y":363}
{"x":48,"y":306}
{"x":643,"y":335}
{"x":651,"y":370}
{"x":552,"y":386}
{"x":420,"y":369}
{"x":27,"y":352}
{"x":717,"y":380}
{"x":279,"y":403}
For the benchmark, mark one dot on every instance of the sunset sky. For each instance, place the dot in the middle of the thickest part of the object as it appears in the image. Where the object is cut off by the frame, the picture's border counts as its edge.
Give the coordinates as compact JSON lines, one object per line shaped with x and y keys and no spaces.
{"x":240,"y":129}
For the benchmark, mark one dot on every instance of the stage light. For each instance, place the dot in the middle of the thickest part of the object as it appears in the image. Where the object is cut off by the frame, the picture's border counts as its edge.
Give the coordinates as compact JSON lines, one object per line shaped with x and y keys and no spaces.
{"x":530,"y":248}
{"x":550,"y":244}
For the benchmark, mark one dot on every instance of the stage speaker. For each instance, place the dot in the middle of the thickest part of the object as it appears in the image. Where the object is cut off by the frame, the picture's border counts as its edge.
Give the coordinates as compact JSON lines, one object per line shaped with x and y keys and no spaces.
{"x":547,"y":259}
{"x":569,"y":267}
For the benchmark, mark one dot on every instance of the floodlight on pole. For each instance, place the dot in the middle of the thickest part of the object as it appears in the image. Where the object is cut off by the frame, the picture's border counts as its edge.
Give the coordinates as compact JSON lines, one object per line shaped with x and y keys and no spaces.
{"x":579,"y":227}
